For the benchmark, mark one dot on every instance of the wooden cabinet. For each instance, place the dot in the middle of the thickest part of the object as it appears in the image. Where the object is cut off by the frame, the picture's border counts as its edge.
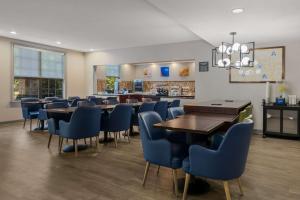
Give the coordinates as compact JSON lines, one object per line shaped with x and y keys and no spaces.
{"x":281,"y":121}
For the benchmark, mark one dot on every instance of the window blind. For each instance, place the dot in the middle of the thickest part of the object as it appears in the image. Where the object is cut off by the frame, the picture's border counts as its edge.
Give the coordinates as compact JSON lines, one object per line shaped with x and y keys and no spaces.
{"x":30,"y":62}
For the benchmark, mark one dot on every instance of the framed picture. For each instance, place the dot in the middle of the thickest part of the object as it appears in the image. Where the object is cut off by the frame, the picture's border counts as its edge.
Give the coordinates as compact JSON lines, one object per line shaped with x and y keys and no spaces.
{"x":269,"y":66}
{"x":165,"y":71}
{"x":184,"y":71}
{"x":147,"y":73}
{"x":203,"y":66}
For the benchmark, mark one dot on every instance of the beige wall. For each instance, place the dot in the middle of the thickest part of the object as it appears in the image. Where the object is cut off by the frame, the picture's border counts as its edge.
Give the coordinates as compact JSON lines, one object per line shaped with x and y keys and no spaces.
{"x":74,"y":79}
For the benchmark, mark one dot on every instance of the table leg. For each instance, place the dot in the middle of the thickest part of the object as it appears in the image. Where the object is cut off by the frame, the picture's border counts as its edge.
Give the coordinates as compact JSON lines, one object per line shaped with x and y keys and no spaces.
{"x":106,"y":139}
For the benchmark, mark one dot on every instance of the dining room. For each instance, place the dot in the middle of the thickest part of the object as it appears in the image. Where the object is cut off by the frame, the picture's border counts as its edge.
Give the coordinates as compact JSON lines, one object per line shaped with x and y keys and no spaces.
{"x":149,"y":99}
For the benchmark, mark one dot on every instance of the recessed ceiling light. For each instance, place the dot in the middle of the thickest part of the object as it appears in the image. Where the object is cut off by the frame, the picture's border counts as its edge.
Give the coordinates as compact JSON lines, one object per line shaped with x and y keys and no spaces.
{"x":13,"y":32}
{"x":237,"y":10}
{"x":58,"y":42}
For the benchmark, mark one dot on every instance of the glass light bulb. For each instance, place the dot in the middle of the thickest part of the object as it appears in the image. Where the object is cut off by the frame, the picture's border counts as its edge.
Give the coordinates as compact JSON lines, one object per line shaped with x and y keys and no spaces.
{"x":226,"y":62}
{"x":222,"y":48}
{"x":245,"y":61}
{"x":229,"y":51}
{"x":236,"y":46}
{"x":244,"y":48}
{"x":220,"y":63}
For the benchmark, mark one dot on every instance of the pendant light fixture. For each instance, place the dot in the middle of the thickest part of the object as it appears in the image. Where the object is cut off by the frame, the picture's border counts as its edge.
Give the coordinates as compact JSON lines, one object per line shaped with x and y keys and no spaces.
{"x":233,"y":54}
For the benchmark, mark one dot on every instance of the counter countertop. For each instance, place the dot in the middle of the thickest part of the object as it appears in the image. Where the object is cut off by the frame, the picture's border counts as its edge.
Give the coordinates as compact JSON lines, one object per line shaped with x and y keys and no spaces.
{"x":147,"y":95}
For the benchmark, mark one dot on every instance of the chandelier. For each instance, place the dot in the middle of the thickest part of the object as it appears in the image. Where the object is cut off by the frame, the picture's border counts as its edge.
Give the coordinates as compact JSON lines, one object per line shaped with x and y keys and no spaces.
{"x":233,"y":54}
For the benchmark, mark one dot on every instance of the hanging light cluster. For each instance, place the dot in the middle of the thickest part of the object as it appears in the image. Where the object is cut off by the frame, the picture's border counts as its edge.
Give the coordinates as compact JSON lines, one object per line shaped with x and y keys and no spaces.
{"x":233,"y":54}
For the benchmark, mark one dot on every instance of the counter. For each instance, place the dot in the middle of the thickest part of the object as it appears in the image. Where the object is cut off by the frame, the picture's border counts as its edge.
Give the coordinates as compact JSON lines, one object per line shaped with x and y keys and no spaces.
{"x":139,"y":96}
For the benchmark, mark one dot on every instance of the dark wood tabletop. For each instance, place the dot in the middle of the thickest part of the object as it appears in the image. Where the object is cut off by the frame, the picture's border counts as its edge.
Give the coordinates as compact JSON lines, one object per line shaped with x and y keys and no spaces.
{"x":72,"y":109}
{"x":205,"y":123}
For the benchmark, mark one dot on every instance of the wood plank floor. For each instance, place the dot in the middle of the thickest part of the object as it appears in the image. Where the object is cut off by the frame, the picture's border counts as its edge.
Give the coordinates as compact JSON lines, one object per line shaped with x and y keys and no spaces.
{"x":29,"y":171}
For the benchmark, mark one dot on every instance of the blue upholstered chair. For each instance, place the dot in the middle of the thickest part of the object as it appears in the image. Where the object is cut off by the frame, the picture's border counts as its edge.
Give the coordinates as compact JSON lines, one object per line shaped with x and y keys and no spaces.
{"x":74,"y":102}
{"x":52,"y":125}
{"x":55,"y":104}
{"x":225,"y":163}
{"x":144,"y":107}
{"x":174,"y":112}
{"x":118,"y":120}
{"x":175,"y":103}
{"x":112,"y":100}
{"x":50,"y":98}
{"x":73,"y":98}
{"x":96,"y":100}
{"x":161,"y":107}
{"x":30,"y":111}
{"x":85,"y":123}
{"x":85,"y":104}
{"x":157,"y":149}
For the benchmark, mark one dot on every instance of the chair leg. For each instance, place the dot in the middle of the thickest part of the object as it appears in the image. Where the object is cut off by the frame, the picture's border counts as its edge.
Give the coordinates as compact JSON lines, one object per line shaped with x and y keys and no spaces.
{"x":146,"y":173}
{"x":128,"y":133}
{"x":227,"y":191}
{"x":116,"y":139}
{"x":76,"y":147}
{"x":24,"y":123}
{"x":49,"y":141}
{"x":157,"y":172}
{"x":240,"y":186}
{"x":91,"y":142}
{"x":186,"y":186}
{"x":97,"y":142}
{"x":84,"y":141}
{"x":61,"y":143}
{"x":175,"y":181}
{"x":120,"y":134}
{"x":30,"y":124}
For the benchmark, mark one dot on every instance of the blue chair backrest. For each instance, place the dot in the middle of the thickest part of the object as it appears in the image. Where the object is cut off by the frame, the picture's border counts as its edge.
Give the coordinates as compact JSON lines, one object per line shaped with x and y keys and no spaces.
{"x":112,"y":100}
{"x":85,"y":122}
{"x":29,"y":107}
{"x":120,"y":118}
{"x":90,"y":97}
{"x":146,"y":106}
{"x":175,"y":103}
{"x":148,"y":132}
{"x":175,"y":111}
{"x":73,"y":98}
{"x":234,"y":149}
{"x":50,"y":98}
{"x":85,"y":104}
{"x":74,"y":103}
{"x":161,"y":107}
{"x":96,"y":100}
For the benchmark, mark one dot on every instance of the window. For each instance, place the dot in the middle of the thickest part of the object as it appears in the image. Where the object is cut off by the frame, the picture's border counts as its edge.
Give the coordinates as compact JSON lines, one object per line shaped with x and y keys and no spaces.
{"x":37,"y":73}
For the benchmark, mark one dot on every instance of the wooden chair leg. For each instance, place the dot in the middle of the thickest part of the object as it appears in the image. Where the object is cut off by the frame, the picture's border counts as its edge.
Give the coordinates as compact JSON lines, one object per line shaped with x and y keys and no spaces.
{"x":84,"y":140}
{"x":30,"y":124}
{"x":116,"y":139}
{"x":49,"y":141}
{"x":146,"y":173}
{"x":128,"y":135}
{"x":186,"y":186}
{"x":240,"y":186}
{"x":24,"y":123}
{"x":175,"y":181}
{"x":61,"y":143}
{"x":227,"y":191}
{"x":97,"y":141}
{"x":157,"y":172}
{"x":76,"y":147}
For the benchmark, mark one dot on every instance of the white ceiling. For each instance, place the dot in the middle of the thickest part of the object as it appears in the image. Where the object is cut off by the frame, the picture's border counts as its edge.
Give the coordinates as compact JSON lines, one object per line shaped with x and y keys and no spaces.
{"x":263,"y":21}
{"x":86,"y":24}
{"x":114,"y":24}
